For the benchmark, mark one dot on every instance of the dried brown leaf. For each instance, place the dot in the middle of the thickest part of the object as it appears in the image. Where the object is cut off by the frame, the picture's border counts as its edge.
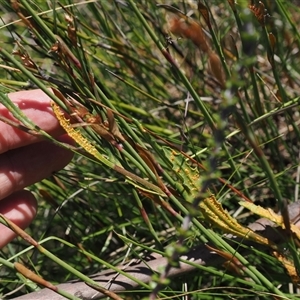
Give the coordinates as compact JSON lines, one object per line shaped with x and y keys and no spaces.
{"x":190,"y":29}
{"x":259,"y":12}
{"x":62,"y":49}
{"x":25,"y":59}
{"x":204,"y":12}
{"x":216,"y":68}
{"x":272,"y":40}
{"x":113,"y":127}
{"x":19,"y":231}
{"x":34,"y":277}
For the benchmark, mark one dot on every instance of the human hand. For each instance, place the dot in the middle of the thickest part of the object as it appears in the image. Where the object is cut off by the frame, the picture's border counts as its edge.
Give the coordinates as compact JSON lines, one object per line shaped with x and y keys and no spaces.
{"x":26,"y":159}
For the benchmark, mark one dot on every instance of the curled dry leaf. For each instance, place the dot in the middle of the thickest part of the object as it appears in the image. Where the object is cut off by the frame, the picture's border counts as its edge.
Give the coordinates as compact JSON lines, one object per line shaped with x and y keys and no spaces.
{"x":205,"y":13}
{"x":62,"y":49}
{"x":113,"y":126}
{"x":216,"y":68}
{"x":260,"y":12}
{"x":16,"y":7}
{"x":25,"y":59}
{"x":188,"y":28}
{"x":72,"y":34}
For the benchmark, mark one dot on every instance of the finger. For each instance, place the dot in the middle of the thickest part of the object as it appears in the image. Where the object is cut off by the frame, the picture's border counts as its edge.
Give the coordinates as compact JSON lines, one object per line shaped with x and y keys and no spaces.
{"x":20,"y":208}
{"x":35,"y":104}
{"x":24,"y":166}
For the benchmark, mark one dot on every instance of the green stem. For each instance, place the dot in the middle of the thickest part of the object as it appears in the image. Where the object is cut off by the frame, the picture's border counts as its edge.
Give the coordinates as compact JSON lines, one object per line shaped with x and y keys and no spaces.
{"x":180,"y":74}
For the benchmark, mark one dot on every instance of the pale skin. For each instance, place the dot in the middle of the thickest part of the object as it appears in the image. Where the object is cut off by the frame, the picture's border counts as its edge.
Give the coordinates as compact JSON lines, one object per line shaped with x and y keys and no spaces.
{"x":26,"y":159}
